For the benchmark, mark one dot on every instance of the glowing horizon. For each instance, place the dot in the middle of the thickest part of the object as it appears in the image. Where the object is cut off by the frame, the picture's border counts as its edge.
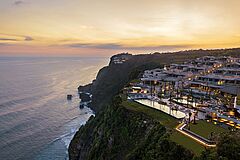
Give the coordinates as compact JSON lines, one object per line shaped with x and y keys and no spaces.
{"x":88,"y":27}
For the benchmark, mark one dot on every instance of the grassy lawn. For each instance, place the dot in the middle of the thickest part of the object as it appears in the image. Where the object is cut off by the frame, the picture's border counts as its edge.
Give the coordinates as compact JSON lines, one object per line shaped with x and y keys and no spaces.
{"x":169,"y":122}
{"x":204,"y":128}
{"x":187,"y":142}
{"x":135,"y":81}
{"x":163,"y":118}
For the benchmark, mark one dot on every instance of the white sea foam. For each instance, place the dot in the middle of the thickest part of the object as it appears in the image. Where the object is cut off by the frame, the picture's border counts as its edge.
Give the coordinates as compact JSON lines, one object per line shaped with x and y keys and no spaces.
{"x":73,"y":126}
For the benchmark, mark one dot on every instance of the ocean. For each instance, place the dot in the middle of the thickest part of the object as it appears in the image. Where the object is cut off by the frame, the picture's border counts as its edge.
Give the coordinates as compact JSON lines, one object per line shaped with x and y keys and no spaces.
{"x":36,"y":120}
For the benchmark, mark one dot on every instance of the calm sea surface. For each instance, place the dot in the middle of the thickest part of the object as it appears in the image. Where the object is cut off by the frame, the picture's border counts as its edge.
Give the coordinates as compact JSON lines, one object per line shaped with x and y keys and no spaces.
{"x":36,"y":120}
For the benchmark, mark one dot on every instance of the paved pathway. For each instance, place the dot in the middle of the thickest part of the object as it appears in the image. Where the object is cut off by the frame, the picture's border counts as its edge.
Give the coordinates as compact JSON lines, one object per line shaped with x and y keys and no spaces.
{"x":180,"y":127}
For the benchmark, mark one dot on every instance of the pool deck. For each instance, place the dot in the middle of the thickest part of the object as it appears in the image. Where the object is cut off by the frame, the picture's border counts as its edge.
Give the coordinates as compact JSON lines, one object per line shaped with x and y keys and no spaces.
{"x":164,"y":108}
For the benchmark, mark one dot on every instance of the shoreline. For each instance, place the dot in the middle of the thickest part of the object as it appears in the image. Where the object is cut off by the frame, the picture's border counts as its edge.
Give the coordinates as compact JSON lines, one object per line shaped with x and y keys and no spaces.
{"x":71,"y":128}
{"x":86,"y":101}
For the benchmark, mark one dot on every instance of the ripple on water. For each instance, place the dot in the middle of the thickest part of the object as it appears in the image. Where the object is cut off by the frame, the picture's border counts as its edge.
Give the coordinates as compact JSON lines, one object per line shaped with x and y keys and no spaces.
{"x":36,"y":120}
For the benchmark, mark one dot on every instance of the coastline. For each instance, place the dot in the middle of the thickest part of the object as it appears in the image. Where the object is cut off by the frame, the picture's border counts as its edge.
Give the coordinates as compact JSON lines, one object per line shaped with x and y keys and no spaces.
{"x":85,"y":99}
{"x":91,"y":141}
{"x":34,"y":106}
{"x":70,"y":129}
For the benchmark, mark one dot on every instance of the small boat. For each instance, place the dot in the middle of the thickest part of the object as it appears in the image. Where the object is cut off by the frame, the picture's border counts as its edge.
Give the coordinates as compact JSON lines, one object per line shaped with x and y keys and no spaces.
{"x":69,"y":97}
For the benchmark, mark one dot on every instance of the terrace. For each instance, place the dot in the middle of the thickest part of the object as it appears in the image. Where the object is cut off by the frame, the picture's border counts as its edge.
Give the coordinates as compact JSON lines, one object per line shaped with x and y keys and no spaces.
{"x":164,"y":108}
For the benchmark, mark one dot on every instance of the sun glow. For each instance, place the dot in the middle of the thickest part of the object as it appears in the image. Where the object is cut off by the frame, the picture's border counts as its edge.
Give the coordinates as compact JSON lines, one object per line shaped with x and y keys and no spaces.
{"x":137,"y":25}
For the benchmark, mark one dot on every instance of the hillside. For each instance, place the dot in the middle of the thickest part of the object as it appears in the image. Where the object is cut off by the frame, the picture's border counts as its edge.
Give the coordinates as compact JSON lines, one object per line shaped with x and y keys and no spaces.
{"x":119,"y":133}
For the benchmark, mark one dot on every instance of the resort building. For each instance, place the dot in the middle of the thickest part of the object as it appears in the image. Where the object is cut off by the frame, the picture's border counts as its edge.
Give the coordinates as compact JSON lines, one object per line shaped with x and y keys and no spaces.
{"x":208,"y":85}
{"x":120,"y":58}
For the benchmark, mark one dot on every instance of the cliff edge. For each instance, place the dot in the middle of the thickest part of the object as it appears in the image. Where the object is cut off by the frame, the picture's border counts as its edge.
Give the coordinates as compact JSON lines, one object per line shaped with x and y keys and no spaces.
{"x":118,"y":133}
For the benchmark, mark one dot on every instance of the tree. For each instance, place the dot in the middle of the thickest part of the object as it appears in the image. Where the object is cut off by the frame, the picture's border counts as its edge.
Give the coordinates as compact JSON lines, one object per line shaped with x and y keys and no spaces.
{"x":208,"y":154}
{"x":228,"y":146}
{"x":194,"y":118}
{"x":189,"y":119}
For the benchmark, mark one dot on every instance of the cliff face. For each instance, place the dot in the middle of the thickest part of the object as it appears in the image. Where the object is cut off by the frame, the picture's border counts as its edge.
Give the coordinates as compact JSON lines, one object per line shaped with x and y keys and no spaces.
{"x":117,"y":133}
{"x":111,"y":79}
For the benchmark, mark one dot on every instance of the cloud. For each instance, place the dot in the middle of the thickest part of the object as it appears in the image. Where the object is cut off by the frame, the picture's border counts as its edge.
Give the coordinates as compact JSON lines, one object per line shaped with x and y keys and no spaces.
{"x":5,"y":44}
{"x":28,"y":38}
{"x":96,"y":46}
{"x":17,"y":3}
{"x":8,"y":39}
{"x":116,"y":46}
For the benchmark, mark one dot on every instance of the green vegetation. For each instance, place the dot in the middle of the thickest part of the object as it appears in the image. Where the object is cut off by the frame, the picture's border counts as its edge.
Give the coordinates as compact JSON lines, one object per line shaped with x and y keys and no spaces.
{"x":128,"y":131}
{"x":163,"y":118}
{"x":158,"y":146}
{"x":238,"y":100}
{"x":205,"y":129}
{"x":136,"y":81}
{"x":169,"y":122}
{"x":119,"y":133}
{"x":228,"y":148}
{"x":187,"y":142}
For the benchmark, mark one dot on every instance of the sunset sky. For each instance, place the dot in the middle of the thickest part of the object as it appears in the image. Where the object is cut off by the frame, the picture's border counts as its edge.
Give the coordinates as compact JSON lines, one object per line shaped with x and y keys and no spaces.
{"x":105,"y":27}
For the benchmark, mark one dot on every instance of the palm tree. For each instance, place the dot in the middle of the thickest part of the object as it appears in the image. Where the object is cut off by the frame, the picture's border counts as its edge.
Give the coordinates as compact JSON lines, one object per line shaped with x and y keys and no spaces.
{"x":189,"y":119}
{"x":187,"y":99}
{"x":191,"y":95}
{"x":201,"y":100}
{"x":194,"y":118}
{"x":170,"y":96}
{"x":151,"y":87}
